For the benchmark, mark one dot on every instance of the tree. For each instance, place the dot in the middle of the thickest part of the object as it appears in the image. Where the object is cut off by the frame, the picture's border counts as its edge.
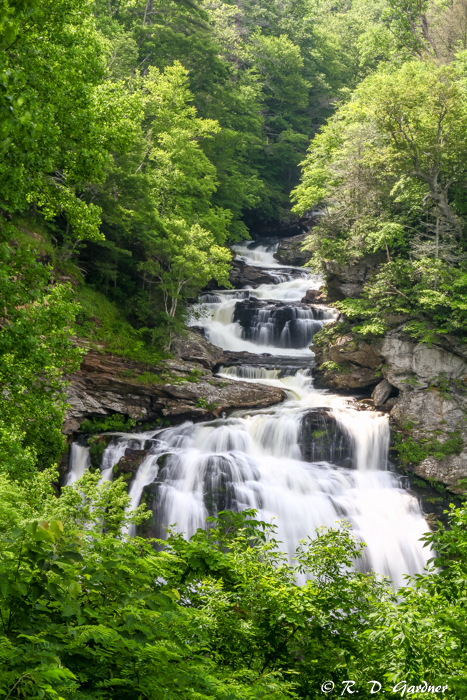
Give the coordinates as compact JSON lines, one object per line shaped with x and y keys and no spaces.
{"x":36,"y":329}
{"x":64,"y":120}
{"x":182,"y":262}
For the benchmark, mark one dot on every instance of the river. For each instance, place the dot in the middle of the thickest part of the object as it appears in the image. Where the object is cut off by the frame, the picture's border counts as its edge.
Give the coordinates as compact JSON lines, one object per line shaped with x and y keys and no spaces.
{"x":312,"y":460}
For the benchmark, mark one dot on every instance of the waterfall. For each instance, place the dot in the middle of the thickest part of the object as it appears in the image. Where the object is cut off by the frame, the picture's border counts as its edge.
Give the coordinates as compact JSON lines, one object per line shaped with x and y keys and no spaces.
{"x":80,"y":460}
{"x":310,"y":461}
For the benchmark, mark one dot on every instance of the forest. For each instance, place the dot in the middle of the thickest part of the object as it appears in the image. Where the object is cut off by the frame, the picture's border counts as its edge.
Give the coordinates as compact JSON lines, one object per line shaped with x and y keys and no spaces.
{"x":139,"y":141}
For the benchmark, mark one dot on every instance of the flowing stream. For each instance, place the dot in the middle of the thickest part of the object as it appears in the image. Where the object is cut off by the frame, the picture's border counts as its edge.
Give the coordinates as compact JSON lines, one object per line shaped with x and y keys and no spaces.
{"x":309,"y":461}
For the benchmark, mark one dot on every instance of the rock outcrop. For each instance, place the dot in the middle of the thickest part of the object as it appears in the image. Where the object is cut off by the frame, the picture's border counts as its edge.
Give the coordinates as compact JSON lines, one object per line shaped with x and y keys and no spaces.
{"x":176,"y":389}
{"x":431,"y":409}
{"x":347,"y":363}
{"x":129,"y":464}
{"x":243,"y":275}
{"x":289,"y":251}
{"x":417,"y":365}
{"x":424,"y":388}
{"x":314,"y":296}
{"x":348,"y":280}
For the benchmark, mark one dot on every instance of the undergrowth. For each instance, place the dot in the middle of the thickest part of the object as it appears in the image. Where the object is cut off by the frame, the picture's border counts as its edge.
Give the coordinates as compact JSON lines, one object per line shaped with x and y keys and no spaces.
{"x":101,"y":323}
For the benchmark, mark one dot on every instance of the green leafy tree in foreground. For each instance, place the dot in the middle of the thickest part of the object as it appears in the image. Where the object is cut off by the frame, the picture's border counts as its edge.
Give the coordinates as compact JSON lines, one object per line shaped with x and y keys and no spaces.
{"x":87,"y":612}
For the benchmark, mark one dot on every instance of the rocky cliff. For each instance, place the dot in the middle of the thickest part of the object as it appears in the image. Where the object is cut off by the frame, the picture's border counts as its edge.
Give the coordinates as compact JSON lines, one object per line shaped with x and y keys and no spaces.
{"x":424,"y":388}
{"x":178,"y":389}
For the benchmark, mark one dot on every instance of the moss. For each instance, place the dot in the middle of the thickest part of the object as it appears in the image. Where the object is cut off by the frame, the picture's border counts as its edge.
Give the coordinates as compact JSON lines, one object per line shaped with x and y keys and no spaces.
{"x":318,"y":434}
{"x":338,"y":368}
{"x":97,"y":445}
{"x":202,"y":403}
{"x":411,"y":451}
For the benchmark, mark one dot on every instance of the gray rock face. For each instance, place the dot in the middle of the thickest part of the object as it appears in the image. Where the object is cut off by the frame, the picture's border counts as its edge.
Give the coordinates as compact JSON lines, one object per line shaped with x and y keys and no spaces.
{"x":381,"y":393}
{"x":448,"y":470}
{"x":289,"y":251}
{"x":429,"y":412}
{"x":415,"y":365}
{"x":348,"y":280}
{"x":434,"y":413}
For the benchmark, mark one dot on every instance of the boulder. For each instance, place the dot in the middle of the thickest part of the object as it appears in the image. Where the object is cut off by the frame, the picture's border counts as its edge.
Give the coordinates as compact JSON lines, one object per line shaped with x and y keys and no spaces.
{"x":381,"y":392}
{"x":348,"y":349}
{"x":215,"y":396}
{"x":323,"y":440}
{"x":348,"y":363}
{"x":194,"y":348}
{"x":243,"y":275}
{"x":289,"y":251}
{"x":314,"y":296}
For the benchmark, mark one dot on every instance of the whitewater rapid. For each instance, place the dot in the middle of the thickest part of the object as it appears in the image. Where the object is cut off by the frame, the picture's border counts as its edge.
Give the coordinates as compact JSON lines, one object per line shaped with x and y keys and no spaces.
{"x":256,"y":459}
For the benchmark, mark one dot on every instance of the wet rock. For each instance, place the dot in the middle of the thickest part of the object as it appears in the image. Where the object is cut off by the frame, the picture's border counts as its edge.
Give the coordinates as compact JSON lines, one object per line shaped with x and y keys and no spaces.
{"x":323,"y":440}
{"x":278,"y":323}
{"x":194,"y":348}
{"x":388,"y":405}
{"x":243,"y":275}
{"x":289,"y":251}
{"x":348,"y":280}
{"x":283,"y":363}
{"x":128,"y":465}
{"x":381,"y":392}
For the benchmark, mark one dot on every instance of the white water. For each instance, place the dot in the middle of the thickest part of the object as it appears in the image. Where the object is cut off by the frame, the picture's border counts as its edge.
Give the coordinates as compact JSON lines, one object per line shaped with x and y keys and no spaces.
{"x":258,"y":255}
{"x":254,"y":459}
{"x":80,"y":460}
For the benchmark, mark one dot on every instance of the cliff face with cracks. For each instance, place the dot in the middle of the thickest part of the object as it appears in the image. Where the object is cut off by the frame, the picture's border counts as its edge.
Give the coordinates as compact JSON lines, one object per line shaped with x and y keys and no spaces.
{"x":179,"y":389}
{"x":423,"y":387}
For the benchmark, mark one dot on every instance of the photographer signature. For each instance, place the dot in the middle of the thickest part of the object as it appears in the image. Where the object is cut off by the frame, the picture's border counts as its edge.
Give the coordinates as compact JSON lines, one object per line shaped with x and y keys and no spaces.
{"x":402,"y":687}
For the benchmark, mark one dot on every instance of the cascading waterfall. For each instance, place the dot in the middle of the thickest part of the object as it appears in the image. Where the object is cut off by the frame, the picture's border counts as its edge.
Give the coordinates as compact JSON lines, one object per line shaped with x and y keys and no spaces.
{"x":262,"y":459}
{"x":80,"y":460}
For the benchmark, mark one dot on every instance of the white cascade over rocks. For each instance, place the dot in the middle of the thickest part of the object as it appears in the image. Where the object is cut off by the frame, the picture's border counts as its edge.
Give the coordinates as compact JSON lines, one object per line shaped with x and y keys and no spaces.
{"x":260,"y":458}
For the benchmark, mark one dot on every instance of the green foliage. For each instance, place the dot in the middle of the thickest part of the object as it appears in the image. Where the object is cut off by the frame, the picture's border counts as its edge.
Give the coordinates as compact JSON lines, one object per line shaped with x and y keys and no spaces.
{"x":412,"y":451}
{"x":335,"y":367}
{"x":202,"y":403}
{"x":100,"y":322}
{"x":36,"y":329}
{"x":114,"y":423}
{"x":63,"y":119}
{"x":219,"y":616}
